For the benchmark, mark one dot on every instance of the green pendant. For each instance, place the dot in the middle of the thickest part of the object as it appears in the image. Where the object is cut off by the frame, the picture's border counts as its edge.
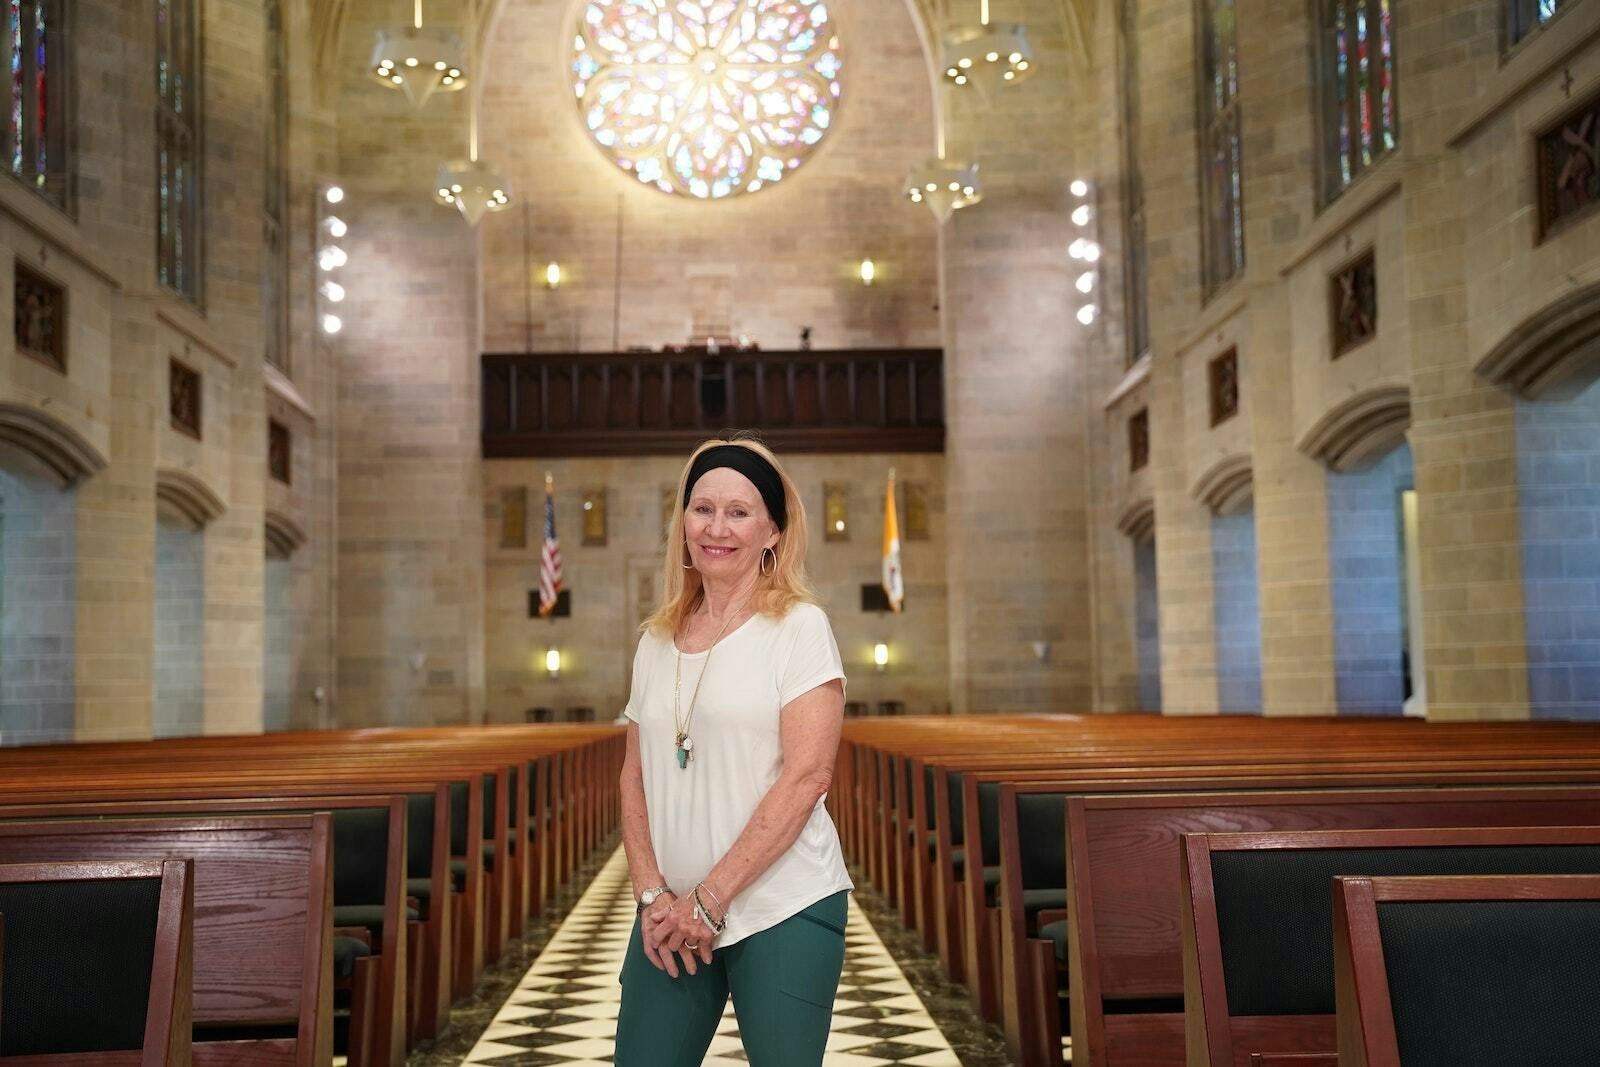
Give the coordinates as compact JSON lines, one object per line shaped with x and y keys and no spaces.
{"x":683,"y":758}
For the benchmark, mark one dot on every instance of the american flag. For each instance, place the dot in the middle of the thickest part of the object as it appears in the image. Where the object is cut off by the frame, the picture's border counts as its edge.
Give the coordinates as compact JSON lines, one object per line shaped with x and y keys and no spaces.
{"x":550,"y":558}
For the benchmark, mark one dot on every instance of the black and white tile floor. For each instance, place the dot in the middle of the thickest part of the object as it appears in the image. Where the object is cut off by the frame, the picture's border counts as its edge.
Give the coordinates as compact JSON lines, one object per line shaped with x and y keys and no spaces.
{"x":564,"y":1011}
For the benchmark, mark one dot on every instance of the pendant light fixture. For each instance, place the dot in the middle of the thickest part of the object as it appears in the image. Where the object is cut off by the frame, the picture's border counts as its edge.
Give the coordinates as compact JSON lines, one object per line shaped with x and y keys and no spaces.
{"x":944,"y":185}
{"x":419,"y":60}
{"x":988,"y":55}
{"x":471,"y":185}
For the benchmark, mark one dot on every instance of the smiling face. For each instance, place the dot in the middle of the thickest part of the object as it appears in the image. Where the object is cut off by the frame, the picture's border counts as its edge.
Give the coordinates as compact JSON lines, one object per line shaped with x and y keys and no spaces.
{"x":726,"y":526}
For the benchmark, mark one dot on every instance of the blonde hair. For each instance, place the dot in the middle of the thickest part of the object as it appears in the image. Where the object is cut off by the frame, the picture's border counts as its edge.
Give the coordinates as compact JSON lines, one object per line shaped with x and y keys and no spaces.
{"x":776,"y":592}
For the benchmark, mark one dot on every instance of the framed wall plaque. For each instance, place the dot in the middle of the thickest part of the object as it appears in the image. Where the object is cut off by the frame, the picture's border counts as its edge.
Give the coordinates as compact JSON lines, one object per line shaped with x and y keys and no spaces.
{"x":594,"y":517}
{"x":916,"y":511}
{"x":514,"y":517}
{"x":835,"y":512}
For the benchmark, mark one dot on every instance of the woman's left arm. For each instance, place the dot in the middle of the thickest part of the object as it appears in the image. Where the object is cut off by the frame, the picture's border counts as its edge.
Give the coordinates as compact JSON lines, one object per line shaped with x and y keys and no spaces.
{"x":809,"y":732}
{"x":810,"y":727}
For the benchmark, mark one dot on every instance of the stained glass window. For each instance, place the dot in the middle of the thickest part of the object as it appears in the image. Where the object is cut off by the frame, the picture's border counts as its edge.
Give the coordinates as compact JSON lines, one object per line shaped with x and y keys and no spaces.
{"x":707,"y":98}
{"x":178,"y":147}
{"x":36,"y":126}
{"x":1221,"y":176}
{"x":274,"y":252}
{"x":1360,"y":118}
{"x":1525,"y":16}
{"x":1136,"y":283}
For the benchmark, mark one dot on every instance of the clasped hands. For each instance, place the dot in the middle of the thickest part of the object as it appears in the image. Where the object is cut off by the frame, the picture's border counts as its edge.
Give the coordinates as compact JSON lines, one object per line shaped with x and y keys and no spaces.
{"x":670,"y":929}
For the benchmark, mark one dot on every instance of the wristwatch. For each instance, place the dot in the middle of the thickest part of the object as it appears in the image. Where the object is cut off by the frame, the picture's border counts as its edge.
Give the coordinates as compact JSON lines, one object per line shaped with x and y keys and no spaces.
{"x":651,"y":895}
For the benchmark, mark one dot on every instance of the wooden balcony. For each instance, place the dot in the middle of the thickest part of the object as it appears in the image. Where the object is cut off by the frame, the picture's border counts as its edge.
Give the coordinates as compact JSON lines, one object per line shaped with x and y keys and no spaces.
{"x":658,"y":403}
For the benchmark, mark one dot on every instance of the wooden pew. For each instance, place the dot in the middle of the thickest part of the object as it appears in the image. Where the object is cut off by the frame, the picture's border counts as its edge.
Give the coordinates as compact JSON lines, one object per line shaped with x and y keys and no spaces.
{"x":111,"y":932}
{"x":463,"y":914}
{"x":1447,"y":971}
{"x":596,"y":751}
{"x":987,"y":938}
{"x":1258,"y":920}
{"x":909,"y":861}
{"x":892,"y":858}
{"x":262,"y":946}
{"x":363,"y":872}
{"x":1124,"y":888}
{"x":559,"y":797}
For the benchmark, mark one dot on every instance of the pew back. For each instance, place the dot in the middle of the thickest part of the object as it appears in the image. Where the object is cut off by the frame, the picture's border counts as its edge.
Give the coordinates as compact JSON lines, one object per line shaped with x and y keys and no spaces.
{"x":118,"y":937}
{"x":262,"y":950}
{"x":1258,"y":920}
{"x":1435,"y":972}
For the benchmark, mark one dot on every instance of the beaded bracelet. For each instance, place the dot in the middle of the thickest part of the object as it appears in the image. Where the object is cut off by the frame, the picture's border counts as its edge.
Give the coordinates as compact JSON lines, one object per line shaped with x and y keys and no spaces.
{"x":705,"y":916}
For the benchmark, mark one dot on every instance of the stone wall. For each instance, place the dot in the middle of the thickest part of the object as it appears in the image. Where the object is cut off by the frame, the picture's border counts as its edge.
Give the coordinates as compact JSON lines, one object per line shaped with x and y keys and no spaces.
{"x":1451,"y":218}
{"x":614,"y":586}
{"x":102,"y":426}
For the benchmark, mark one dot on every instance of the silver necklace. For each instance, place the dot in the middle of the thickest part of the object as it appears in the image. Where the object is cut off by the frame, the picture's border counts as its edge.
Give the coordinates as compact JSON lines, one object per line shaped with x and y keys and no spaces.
{"x":684,"y":744}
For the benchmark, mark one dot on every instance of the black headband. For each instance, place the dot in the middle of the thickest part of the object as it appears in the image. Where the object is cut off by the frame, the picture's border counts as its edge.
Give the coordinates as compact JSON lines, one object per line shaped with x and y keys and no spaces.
{"x":751,"y":464}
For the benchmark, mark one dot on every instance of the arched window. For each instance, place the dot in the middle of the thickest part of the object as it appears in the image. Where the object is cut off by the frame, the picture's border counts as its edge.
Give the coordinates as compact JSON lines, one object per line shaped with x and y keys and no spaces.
{"x":1134,"y":265}
{"x":1221,"y":158}
{"x":37,"y":115}
{"x":178,"y":146}
{"x":1360,"y":114}
{"x":274,"y":221}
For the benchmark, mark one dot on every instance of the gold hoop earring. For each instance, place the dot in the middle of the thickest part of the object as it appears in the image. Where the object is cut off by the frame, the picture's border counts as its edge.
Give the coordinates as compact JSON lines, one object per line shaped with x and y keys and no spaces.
{"x":690,"y":565}
{"x":774,"y":569}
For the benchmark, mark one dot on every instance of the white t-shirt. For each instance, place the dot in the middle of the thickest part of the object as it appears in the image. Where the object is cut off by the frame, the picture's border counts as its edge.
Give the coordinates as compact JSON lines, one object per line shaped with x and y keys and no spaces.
{"x":696,"y":814}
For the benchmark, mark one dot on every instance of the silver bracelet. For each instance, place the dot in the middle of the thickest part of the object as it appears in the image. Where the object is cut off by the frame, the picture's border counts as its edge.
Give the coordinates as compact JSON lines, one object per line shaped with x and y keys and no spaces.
{"x":715,"y":899}
{"x":705,"y":916}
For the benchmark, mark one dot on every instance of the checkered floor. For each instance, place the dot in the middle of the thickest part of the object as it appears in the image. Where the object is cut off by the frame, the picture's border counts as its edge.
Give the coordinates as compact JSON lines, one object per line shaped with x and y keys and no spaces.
{"x":564,"y":1012}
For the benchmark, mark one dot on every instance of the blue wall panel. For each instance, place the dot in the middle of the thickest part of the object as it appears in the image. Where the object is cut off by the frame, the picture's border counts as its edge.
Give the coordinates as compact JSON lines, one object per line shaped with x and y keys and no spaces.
{"x":1237,"y":613}
{"x":1367,"y":570}
{"x":1147,"y":625}
{"x":1558,"y":479}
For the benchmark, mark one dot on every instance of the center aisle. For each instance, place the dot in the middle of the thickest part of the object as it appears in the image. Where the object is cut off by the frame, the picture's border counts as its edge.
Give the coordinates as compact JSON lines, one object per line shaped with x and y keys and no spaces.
{"x":564,"y":1011}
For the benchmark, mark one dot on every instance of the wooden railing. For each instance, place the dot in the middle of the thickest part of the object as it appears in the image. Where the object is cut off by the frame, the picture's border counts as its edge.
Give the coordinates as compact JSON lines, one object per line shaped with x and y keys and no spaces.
{"x":636,"y":403}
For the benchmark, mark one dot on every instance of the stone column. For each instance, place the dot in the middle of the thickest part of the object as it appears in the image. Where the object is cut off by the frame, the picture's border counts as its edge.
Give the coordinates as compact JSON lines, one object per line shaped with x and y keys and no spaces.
{"x":1015,"y":403}
{"x":1291,"y":497}
{"x":1463,"y":430}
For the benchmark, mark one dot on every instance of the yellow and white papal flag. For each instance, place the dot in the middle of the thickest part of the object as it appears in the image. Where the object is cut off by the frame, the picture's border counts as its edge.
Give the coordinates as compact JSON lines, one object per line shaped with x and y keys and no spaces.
{"x":894,"y":586}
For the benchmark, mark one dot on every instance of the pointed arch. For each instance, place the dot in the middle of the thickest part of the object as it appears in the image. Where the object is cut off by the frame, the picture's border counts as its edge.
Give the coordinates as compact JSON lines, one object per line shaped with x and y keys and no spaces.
{"x":187,"y":497}
{"x":284,"y":535}
{"x":1227,"y":486}
{"x":1554,"y":349}
{"x":1361,"y":429}
{"x":63,"y":452}
{"x":1138,"y":520}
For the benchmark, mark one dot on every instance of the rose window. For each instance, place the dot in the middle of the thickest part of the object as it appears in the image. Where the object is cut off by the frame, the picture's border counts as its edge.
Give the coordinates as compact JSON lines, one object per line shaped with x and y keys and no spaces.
{"x":707,"y":98}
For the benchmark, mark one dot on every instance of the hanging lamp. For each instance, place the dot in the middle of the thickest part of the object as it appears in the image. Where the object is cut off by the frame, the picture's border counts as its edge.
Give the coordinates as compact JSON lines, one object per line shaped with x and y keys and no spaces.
{"x":988,"y":55}
{"x":470,"y":185}
{"x":419,"y":60}
{"x":943,"y":185}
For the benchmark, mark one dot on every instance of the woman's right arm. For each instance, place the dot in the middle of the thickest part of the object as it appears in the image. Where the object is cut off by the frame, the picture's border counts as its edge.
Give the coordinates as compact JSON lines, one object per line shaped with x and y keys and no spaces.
{"x":643,"y":869}
{"x":642,"y":865}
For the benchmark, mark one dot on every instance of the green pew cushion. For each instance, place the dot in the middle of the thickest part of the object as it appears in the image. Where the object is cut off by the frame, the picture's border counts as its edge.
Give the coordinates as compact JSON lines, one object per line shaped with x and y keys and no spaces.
{"x":1056,"y":932}
{"x":346,"y":950}
{"x":368,"y":915}
{"x":421,"y":888}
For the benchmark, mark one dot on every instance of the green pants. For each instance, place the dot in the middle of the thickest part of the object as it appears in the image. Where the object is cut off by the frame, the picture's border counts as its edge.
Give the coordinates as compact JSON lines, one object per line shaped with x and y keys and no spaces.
{"x":783,"y":981}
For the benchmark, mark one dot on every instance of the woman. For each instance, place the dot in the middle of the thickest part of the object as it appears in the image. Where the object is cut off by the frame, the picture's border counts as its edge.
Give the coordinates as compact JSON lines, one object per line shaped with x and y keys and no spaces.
{"x":734,"y":719}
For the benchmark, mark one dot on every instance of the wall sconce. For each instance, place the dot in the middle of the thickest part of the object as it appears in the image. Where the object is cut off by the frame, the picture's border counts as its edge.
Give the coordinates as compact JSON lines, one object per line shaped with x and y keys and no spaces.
{"x":869,"y":271}
{"x":552,"y":275}
{"x":552,"y":662}
{"x":880,"y":655}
